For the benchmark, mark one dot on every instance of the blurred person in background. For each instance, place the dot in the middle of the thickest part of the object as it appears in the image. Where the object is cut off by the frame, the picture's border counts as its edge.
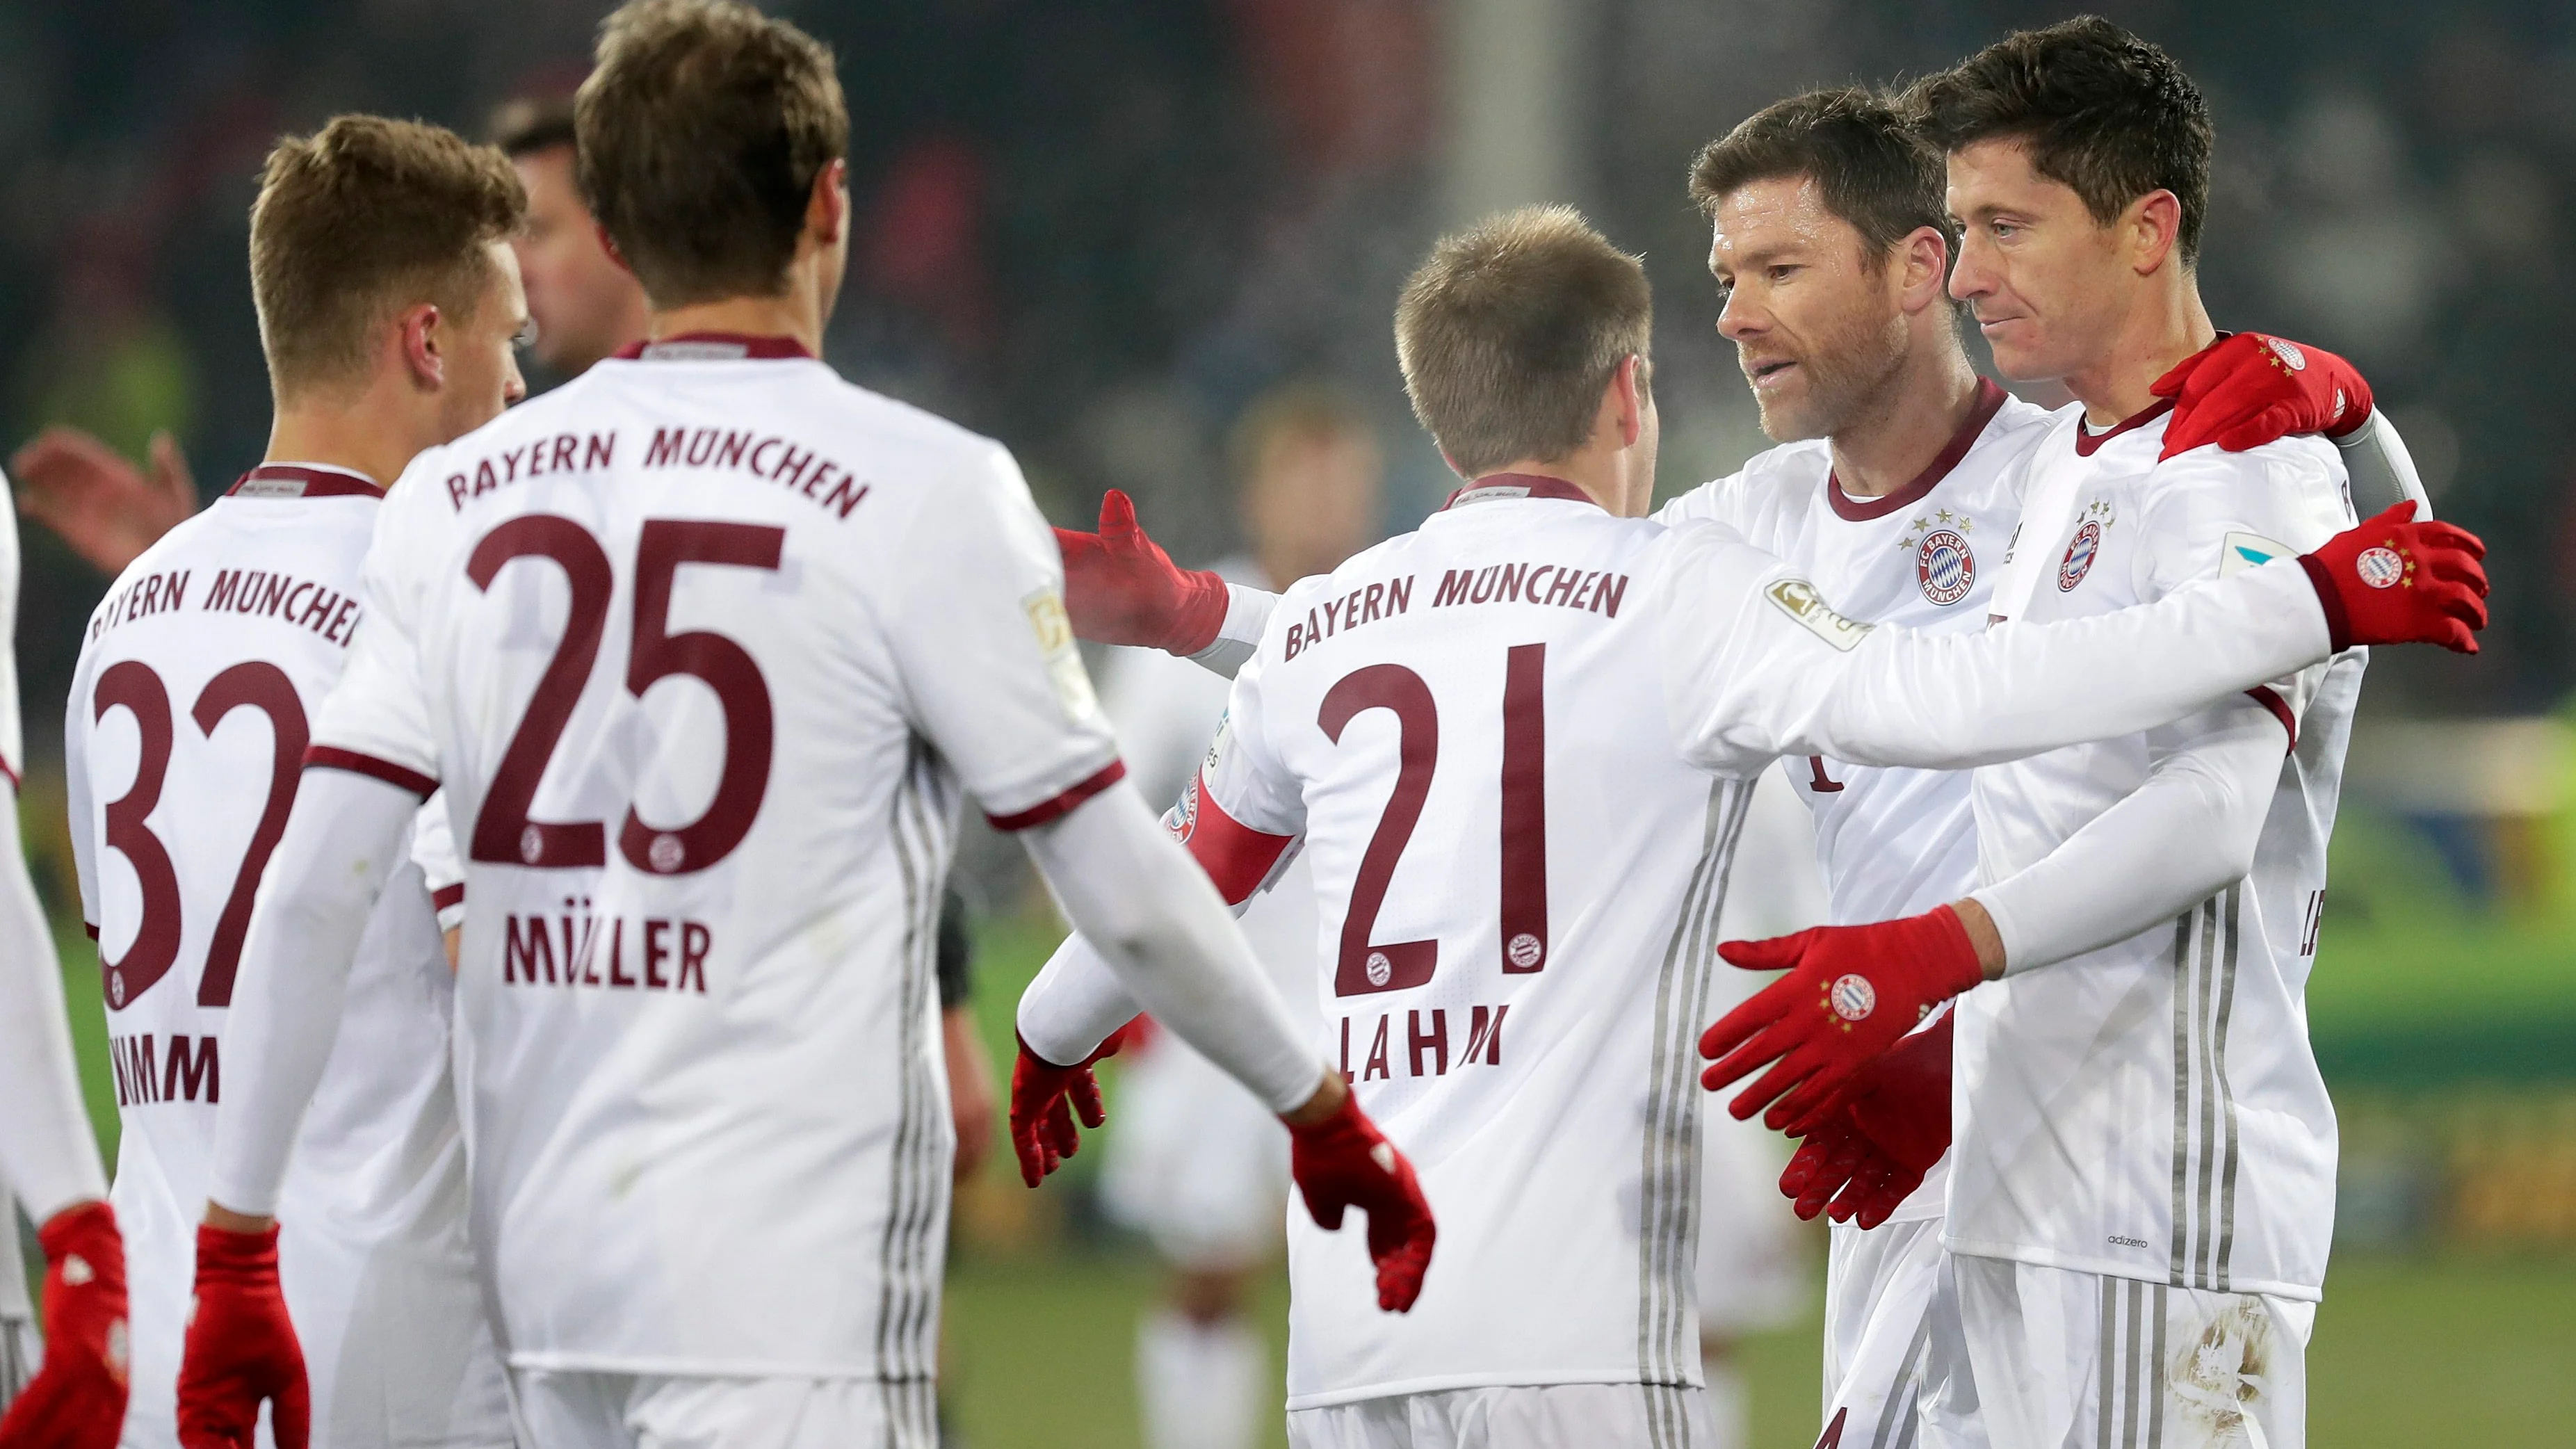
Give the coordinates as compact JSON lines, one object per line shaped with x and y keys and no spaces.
{"x":587,"y":305}
{"x":1195,"y":1163}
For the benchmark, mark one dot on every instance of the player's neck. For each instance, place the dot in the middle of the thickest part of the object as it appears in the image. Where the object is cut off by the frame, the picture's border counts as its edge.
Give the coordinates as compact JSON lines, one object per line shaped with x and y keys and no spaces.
{"x":2167,"y":325}
{"x":1604,"y":475}
{"x":1893,"y":442}
{"x":338,"y":434}
{"x":794,"y":314}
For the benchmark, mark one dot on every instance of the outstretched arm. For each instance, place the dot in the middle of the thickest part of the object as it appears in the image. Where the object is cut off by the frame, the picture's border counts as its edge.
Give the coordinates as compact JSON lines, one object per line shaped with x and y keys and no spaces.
{"x":1755,"y":685}
{"x":1121,"y":588}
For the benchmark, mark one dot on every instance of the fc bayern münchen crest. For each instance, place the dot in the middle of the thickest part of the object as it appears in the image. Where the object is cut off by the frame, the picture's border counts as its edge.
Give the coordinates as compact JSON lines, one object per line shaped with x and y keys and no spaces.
{"x":1945,"y":567}
{"x":2079,"y":556}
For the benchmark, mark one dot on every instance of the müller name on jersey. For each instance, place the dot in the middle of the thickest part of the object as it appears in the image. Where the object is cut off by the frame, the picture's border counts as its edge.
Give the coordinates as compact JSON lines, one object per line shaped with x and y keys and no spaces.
{"x":259,"y":593}
{"x":767,"y":456}
{"x":1511,"y":583}
{"x":577,"y":948}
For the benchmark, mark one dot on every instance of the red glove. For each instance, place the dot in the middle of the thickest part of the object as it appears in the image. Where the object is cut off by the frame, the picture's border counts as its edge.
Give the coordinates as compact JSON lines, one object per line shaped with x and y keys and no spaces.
{"x":1873,"y":1147}
{"x":1121,"y":588}
{"x":1044,"y":1099}
{"x":1855,"y":991}
{"x":77,"y":1400}
{"x":1345,"y":1162}
{"x":2395,"y":581}
{"x":241,"y":1347}
{"x":2246,"y":390}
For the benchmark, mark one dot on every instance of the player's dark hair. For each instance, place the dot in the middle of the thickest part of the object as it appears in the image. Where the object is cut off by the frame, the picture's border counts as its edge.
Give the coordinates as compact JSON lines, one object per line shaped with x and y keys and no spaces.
{"x":360,"y":220}
{"x":1870,"y":167}
{"x":1511,"y":330}
{"x":2106,"y":114}
{"x":700,"y":133}
{"x":527,"y":125}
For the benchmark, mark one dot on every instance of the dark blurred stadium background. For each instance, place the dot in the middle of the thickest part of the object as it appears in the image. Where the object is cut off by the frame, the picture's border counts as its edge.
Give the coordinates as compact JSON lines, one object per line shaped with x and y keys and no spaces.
{"x":1097,"y":230}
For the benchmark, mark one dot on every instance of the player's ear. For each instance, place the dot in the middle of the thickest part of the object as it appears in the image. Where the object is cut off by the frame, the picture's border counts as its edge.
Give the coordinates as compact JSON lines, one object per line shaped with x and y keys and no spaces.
{"x":827,"y":210}
{"x":416,"y":332}
{"x":1627,"y":398}
{"x":1922,"y":264}
{"x":2154,"y":224}
{"x":608,"y":244}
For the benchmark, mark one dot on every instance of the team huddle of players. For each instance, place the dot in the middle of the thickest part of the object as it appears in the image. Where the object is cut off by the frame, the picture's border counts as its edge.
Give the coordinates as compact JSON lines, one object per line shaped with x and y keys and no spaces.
{"x":515,"y":835}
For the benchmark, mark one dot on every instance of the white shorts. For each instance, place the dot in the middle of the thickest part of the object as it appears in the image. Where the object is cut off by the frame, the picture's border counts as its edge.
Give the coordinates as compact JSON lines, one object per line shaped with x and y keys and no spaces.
{"x":1543,"y":1416}
{"x":1878,"y":1298}
{"x":1195,"y":1162}
{"x":1752,"y":1248}
{"x":2023,"y":1357}
{"x":578,"y":1410}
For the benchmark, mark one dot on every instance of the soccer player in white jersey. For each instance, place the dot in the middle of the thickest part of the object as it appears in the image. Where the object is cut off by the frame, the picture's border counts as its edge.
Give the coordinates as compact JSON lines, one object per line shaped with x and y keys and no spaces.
{"x":706,"y":648}
{"x":1196,"y":1163}
{"x":48,"y":1159}
{"x":1831,"y":248}
{"x":388,"y":303}
{"x":2141,"y":1193}
{"x":1515,"y":747}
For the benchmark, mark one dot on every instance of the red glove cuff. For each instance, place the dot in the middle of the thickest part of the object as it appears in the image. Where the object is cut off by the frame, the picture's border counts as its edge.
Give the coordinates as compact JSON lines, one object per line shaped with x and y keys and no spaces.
{"x":227,"y":1256}
{"x":88,"y":1230}
{"x":1951,"y":952}
{"x":2338,"y":623}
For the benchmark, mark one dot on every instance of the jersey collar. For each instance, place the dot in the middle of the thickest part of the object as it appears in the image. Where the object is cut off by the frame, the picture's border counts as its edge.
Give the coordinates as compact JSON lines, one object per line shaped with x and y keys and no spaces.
{"x":715,"y":347}
{"x":304,"y":480}
{"x":1516,"y":485}
{"x":2086,"y":440}
{"x":1990,"y":401}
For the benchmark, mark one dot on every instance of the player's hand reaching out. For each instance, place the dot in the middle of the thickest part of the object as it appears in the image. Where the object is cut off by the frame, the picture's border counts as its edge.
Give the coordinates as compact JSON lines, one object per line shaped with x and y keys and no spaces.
{"x":1045,"y":1099}
{"x":1341,"y":1161}
{"x":108,"y":510}
{"x":77,"y":1400}
{"x":1871,"y":1148}
{"x":2247,"y":390}
{"x":1851,"y":993}
{"x":241,"y":1348}
{"x":2392,"y":580}
{"x":1121,"y":588}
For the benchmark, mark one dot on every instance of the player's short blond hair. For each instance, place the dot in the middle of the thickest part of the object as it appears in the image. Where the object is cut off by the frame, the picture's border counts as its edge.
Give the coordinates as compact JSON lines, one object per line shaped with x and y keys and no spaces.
{"x":699,"y":135}
{"x":1511,"y":330}
{"x":360,"y":220}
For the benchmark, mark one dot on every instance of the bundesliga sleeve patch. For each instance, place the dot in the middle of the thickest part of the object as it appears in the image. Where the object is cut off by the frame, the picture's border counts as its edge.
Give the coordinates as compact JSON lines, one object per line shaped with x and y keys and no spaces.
{"x":1799,"y":600}
{"x":1054,"y":630}
{"x":2243,"y":551}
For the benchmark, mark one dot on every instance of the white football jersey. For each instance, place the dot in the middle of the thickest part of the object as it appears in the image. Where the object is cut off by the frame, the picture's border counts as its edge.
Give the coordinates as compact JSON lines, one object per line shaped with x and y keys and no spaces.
{"x":183,"y":743}
{"x":1891,"y":842}
{"x":704,"y":646}
{"x":2152,"y":1109}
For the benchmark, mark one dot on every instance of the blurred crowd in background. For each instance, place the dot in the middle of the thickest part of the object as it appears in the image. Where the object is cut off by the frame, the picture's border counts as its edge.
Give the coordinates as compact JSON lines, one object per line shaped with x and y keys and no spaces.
{"x":1098,"y":231}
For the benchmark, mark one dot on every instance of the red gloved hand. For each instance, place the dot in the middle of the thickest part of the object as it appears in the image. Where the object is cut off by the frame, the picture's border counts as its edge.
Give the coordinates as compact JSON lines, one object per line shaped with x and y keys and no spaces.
{"x":1345,"y":1162}
{"x":1855,"y":991}
{"x":77,"y":1400}
{"x":2395,"y":581}
{"x":1873,"y":1147}
{"x":1044,"y":1099}
{"x":1121,"y":588}
{"x":2246,"y":390}
{"x":241,"y":1348}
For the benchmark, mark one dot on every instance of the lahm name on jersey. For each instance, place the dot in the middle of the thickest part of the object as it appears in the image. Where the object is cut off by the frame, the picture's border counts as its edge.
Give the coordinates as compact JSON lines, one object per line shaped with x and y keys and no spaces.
{"x":1422,"y":1047}
{"x":571,"y":949}
{"x":260,"y":593}
{"x":187,"y":1072}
